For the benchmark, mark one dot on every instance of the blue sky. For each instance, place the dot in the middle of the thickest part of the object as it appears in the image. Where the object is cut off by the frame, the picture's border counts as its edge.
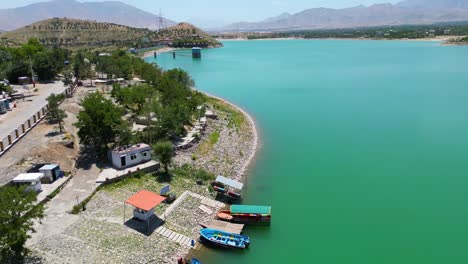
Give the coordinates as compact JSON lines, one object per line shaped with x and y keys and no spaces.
{"x":227,"y":10}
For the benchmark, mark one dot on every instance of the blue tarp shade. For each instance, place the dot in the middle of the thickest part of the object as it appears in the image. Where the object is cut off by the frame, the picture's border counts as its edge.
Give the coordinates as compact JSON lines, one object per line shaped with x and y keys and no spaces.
{"x":250,"y":209}
{"x":230,"y":182}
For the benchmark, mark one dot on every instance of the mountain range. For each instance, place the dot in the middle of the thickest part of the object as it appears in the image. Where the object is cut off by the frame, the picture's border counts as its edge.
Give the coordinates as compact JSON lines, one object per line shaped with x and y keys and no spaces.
{"x":405,"y":12}
{"x":108,"y":11}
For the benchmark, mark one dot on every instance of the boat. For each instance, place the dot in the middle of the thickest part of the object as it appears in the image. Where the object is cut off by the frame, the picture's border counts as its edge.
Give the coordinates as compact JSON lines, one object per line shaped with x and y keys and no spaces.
{"x":185,"y":261}
{"x":195,"y":261}
{"x":224,"y":239}
{"x":246,"y":214}
{"x":228,"y":187}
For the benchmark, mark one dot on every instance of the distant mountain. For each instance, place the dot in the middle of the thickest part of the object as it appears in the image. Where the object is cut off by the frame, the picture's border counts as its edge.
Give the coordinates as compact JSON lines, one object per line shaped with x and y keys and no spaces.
{"x":435,"y":4}
{"x":406,"y":12}
{"x":109,"y":11}
{"x":76,"y":33}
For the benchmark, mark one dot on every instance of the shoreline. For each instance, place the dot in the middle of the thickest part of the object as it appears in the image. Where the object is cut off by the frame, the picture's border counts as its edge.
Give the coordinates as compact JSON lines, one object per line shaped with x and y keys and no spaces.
{"x":255,"y":147}
{"x":432,"y":39}
{"x":158,"y":51}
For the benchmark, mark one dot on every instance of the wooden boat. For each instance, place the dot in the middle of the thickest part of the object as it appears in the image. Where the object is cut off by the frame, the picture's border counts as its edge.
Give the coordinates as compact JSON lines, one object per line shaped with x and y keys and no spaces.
{"x":246,"y":214}
{"x":224,"y":239}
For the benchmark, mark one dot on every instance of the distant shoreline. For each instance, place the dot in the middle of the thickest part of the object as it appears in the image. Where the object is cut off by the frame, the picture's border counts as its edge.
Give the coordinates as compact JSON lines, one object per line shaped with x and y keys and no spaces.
{"x":432,"y":39}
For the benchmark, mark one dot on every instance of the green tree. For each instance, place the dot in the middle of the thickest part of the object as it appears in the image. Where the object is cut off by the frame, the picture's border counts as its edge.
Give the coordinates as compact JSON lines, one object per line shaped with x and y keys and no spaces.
{"x":100,"y":122}
{"x":17,"y":215}
{"x":81,"y":65}
{"x":164,"y":151}
{"x":56,"y":115}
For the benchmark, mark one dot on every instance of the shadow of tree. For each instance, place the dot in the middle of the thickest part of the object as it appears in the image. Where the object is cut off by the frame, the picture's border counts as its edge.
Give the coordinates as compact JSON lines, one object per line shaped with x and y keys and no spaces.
{"x":163,"y":177}
{"x":87,"y":158}
{"x":53,"y":134}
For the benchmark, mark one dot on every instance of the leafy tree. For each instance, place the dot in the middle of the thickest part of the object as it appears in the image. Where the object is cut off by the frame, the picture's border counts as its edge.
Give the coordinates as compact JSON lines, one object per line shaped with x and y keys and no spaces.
{"x":68,"y":76}
{"x":81,"y":65}
{"x":42,"y":66}
{"x":100,"y":122}
{"x":7,"y":89}
{"x":164,"y":151}
{"x":17,"y":215}
{"x":56,"y":115}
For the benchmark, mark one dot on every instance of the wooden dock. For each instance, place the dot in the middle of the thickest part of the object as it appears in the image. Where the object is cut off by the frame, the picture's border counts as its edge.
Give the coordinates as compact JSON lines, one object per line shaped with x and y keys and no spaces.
{"x":225,"y":226}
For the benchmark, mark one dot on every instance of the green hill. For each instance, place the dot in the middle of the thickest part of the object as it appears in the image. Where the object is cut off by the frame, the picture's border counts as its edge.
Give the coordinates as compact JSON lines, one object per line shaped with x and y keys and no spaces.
{"x":185,"y":35}
{"x":67,"y":32}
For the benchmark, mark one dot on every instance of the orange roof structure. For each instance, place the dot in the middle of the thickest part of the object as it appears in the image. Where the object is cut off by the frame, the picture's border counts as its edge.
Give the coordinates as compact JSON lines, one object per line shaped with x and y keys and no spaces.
{"x":145,"y":200}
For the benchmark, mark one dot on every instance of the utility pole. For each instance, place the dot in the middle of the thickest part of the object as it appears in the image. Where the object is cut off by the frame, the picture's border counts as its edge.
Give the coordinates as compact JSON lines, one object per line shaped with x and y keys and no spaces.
{"x":32,"y":71}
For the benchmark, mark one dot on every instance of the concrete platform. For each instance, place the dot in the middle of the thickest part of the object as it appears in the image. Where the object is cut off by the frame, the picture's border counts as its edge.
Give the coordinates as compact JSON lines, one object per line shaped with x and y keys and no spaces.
{"x":111,"y":174}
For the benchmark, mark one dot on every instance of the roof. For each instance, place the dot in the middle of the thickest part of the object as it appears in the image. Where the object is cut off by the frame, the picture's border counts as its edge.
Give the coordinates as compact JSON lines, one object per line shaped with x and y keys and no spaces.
{"x":49,"y":167}
{"x":250,"y":209}
{"x":225,"y":226}
{"x":230,"y":182}
{"x":145,"y":200}
{"x":28,"y":177}
{"x":130,"y":148}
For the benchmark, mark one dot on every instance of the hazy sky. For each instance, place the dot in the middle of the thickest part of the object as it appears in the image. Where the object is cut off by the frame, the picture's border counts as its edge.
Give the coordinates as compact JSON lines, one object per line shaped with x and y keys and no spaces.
{"x":227,"y":10}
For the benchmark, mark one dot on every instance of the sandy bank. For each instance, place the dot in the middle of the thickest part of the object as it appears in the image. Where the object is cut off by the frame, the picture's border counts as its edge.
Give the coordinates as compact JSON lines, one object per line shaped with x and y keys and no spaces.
{"x":158,"y":51}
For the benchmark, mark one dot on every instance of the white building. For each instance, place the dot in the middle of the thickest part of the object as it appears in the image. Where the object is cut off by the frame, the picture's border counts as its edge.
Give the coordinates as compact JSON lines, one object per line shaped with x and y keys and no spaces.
{"x":128,"y":156}
{"x":51,"y":173}
{"x":31,"y":180}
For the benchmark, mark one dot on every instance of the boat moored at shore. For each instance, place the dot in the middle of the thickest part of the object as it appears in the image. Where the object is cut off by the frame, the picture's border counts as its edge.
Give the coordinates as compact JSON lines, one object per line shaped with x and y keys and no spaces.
{"x":224,"y":239}
{"x":246,"y":214}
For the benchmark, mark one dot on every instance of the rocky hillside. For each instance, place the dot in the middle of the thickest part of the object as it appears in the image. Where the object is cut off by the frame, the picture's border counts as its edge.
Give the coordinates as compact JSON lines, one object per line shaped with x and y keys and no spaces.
{"x":107,"y":11}
{"x":185,"y":35}
{"x":76,"y":33}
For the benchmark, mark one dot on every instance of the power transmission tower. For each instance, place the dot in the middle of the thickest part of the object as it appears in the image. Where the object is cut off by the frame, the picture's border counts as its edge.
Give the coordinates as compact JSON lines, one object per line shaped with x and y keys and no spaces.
{"x":161,"y":21}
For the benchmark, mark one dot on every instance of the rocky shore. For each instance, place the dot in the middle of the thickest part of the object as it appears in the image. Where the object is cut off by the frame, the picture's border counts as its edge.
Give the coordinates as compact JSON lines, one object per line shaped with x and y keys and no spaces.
{"x":235,"y":147}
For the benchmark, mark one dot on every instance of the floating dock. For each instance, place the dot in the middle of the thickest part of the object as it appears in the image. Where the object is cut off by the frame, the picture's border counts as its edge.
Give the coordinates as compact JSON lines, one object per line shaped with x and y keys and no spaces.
{"x":225,"y":226}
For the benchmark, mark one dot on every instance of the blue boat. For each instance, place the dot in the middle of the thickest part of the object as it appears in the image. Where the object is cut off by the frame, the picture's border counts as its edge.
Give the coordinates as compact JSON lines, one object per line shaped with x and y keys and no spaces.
{"x":224,"y":239}
{"x":195,"y":261}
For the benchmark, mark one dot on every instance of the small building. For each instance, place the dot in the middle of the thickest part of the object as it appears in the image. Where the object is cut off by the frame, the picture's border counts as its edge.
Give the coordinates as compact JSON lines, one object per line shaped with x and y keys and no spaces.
{"x":4,"y":106}
{"x":196,"y":53}
{"x":144,"y":203}
{"x":128,"y":156}
{"x":51,"y":173}
{"x":32,"y":181}
{"x":211,"y":114}
{"x":24,"y":80}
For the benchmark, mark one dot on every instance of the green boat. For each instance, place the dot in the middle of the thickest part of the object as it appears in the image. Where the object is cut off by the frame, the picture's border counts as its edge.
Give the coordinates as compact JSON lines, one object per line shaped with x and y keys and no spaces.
{"x":246,"y":214}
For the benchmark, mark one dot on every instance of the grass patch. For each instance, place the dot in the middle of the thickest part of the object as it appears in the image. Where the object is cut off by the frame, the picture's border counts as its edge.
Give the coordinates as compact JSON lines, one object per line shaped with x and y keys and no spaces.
{"x":236,"y":118}
{"x":214,"y":137}
{"x":208,"y":145}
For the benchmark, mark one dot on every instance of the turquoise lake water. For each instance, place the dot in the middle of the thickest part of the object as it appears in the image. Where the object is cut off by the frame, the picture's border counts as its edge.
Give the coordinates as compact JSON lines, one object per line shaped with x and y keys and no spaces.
{"x":364,"y":148}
